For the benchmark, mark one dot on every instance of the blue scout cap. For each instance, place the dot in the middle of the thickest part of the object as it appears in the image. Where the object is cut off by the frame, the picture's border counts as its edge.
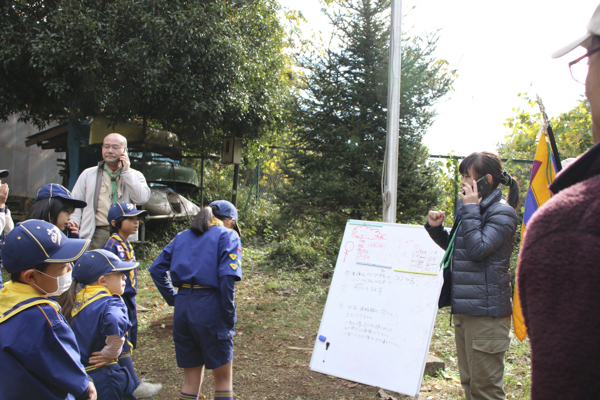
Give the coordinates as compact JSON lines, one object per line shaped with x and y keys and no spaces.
{"x":55,"y":190}
{"x":34,"y":242}
{"x":226,"y":209}
{"x":4,"y":173}
{"x":123,"y":209}
{"x":93,"y":264}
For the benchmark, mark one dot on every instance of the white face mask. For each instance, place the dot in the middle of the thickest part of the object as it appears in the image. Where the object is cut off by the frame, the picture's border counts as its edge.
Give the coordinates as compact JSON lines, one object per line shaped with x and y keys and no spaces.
{"x":63,"y":283}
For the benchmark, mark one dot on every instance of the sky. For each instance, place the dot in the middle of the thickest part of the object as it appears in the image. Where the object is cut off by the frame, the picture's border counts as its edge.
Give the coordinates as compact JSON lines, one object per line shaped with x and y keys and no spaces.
{"x":500,"y":49}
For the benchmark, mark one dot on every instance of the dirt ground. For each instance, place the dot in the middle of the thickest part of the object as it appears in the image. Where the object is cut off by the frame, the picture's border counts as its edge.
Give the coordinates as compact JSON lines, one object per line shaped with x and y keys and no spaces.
{"x":278,"y":316}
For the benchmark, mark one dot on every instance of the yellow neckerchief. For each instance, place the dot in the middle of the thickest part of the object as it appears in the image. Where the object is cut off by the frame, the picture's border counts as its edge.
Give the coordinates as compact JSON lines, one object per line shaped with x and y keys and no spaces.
{"x":17,"y":296}
{"x":129,"y":255}
{"x":127,"y":247}
{"x":87,"y":296}
{"x":216,"y":221}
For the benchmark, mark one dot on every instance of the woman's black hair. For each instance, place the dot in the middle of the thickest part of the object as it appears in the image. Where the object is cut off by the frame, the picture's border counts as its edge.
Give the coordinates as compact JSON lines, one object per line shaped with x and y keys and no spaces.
{"x":16,"y":276}
{"x":48,"y":209}
{"x":484,"y":163}
{"x":203,"y":219}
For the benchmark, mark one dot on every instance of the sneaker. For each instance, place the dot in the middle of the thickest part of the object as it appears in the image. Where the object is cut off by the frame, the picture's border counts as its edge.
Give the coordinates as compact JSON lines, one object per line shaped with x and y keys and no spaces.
{"x":147,"y":389}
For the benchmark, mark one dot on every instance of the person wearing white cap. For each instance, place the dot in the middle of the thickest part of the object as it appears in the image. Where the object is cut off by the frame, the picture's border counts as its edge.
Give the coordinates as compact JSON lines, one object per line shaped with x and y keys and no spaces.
{"x":558,"y":273}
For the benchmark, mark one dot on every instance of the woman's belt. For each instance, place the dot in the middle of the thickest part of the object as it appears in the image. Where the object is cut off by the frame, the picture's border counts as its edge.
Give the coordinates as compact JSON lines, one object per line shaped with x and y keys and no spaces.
{"x":188,"y":286}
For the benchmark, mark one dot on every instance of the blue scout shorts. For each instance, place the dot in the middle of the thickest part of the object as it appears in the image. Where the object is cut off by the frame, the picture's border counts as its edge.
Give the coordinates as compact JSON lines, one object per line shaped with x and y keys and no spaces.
{"x":113,"y":382}
{"x":200,"y":334}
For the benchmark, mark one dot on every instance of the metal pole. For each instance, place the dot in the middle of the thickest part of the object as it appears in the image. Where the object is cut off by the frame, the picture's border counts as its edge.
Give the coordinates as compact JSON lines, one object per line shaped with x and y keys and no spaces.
{"x":236,"y":180}
{"x":390,"y":191}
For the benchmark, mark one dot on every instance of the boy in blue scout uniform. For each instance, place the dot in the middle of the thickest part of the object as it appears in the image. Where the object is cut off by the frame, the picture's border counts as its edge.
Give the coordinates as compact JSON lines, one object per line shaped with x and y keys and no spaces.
{"x":39,"y":357}
{"x":124,"y":221}
{"x":99,"y":320}
{"x":205,"y":262}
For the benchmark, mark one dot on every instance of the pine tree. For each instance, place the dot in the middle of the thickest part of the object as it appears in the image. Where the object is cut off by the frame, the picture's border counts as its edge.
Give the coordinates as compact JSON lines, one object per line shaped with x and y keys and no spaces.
{"x":336,"y":161}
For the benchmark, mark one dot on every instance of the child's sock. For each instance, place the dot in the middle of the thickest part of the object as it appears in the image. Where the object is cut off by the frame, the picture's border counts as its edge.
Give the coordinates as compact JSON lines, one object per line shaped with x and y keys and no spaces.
{"x":185,"y":396}
{"x":224,"y":395}
{"x":127,"y":362}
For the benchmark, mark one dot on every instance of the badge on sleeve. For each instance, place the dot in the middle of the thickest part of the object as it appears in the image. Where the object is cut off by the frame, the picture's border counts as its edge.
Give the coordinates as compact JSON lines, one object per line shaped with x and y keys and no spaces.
{"x":233,"y":266}
{"x":233,"y":256}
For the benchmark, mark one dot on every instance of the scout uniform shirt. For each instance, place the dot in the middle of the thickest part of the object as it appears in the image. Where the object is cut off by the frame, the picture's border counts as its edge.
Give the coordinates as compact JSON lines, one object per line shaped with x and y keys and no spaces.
{"x":39,"y":357}
{"x":96,"y":315}
{"x":197,"y":261}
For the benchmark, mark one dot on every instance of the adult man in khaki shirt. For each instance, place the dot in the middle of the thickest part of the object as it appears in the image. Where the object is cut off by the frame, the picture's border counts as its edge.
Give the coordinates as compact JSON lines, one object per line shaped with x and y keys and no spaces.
{"x":113,"y":180}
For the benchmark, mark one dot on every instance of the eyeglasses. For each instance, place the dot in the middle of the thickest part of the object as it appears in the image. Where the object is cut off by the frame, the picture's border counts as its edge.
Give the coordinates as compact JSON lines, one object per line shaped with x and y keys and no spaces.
{"x":579,"y":70}
{"x":113,"y":146}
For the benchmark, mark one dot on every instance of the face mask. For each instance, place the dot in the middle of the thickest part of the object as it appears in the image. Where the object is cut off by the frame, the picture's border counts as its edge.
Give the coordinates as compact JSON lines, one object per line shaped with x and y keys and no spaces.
{"x":63,"y":283}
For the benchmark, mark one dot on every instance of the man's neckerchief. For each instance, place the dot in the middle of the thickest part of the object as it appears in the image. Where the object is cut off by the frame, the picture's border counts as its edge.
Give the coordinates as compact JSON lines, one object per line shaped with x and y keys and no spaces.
{"x":113,"y":178}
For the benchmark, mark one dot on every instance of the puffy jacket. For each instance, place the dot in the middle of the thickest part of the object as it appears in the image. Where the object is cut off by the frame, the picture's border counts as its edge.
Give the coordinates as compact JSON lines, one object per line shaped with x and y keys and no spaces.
{"x":485,"y":240}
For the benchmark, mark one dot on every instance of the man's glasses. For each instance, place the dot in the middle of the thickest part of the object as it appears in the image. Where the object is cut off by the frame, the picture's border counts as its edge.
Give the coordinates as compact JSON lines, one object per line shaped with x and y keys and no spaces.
{"x":578,"y":69}
{"x":113,"y":146}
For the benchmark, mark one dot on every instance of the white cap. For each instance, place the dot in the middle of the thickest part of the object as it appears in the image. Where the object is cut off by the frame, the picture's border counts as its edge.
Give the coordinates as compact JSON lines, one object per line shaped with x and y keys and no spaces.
{"x":593,"y":29}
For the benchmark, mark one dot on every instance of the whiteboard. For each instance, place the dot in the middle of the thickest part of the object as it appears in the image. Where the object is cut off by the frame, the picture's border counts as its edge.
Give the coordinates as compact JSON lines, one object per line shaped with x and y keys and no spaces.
{"x":381,"y":307}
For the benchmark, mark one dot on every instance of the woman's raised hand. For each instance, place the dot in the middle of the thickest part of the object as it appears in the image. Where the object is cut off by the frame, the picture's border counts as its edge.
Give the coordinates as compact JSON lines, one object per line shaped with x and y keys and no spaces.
{"x":436,"y":218}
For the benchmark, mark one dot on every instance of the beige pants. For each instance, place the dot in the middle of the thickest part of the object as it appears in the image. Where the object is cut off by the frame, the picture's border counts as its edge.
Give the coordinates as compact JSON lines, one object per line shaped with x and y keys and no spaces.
{"x":480,"y":345}
{"x":99,"y":239}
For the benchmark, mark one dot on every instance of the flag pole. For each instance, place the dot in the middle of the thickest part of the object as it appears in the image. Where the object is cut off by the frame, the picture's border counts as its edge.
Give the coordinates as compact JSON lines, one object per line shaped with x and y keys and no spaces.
{"x":390,"y":166}
{"x":550,"y":134}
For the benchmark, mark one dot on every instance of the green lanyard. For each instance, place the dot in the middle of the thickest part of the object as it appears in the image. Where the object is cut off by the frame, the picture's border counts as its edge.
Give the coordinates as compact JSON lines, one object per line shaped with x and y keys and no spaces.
{"x":113,"y":178}
{"x":448,"y":254}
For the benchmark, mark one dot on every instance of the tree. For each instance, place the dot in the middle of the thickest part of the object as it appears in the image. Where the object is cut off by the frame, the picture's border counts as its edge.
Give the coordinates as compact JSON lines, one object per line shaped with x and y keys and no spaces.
{"x":336,"y":158}
{"x":203,"y":69}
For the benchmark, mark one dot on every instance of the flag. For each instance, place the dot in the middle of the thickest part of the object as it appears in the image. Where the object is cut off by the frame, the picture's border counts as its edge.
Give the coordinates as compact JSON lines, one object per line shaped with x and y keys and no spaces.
{"x":542,"y":175}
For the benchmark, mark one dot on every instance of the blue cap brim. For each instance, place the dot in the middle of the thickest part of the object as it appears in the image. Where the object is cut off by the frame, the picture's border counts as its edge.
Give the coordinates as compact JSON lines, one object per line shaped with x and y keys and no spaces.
{"x":122,"y":265}
{"x":71,"y":251}
{"x":139,"y":213}
{"x":78,"y":203}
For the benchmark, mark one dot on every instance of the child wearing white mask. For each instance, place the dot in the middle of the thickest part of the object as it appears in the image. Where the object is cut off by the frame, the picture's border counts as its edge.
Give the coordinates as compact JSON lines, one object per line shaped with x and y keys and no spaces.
{"x":39,"y":357}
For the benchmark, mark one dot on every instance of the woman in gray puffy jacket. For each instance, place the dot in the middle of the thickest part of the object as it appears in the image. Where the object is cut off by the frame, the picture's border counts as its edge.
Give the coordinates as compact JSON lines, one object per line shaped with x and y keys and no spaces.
{"x":477,"y":283}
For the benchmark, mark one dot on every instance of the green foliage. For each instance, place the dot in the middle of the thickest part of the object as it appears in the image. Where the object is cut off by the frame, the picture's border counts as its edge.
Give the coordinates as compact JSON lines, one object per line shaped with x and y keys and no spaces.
{"x":335,"y":161}
{"x":203,"y":69}
{"x":302,"y":251}
{"x":159,"y":233}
